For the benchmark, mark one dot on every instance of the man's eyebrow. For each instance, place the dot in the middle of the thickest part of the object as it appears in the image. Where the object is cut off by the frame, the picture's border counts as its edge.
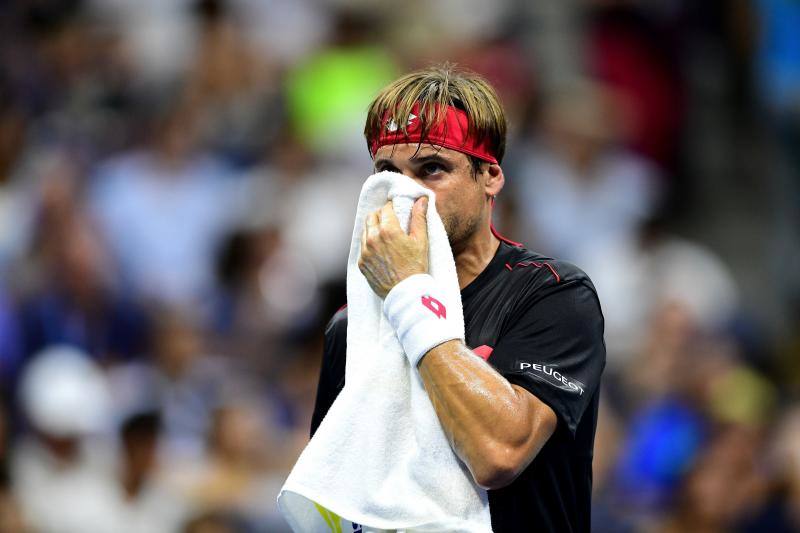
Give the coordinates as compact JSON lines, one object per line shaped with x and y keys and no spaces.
{"x":383,"y":161}
{"x":435,"y":158}
{"x":417,"y":160}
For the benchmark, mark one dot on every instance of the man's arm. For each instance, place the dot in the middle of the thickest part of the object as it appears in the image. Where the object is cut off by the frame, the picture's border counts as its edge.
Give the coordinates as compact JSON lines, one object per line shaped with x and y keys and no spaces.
{"x":495,"y":427}
{"x":545,"y":370}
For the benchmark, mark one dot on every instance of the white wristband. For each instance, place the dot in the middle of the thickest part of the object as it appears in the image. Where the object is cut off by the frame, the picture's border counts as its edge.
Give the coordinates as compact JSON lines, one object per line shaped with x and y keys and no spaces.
{"x":416,"y":311}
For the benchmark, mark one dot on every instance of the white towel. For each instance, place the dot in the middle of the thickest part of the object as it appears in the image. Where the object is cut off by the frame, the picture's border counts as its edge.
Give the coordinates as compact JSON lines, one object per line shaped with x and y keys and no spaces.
{"x":380,"y":457}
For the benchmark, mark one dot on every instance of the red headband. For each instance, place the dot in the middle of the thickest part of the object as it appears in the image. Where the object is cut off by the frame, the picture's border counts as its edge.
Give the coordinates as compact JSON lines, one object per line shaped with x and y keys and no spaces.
{"x":452,"y":132}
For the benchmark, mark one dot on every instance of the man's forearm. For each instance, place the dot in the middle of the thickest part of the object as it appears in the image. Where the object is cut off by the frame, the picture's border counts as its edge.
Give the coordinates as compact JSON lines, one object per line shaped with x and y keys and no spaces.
{"x":496,"y":428}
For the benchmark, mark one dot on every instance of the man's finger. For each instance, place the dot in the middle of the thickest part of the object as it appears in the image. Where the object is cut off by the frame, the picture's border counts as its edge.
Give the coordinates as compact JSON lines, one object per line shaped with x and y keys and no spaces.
{"x":418,"y":228}
{"x":388,"y":216}
{"x":372,"y":224}
{"x":364,"y":237}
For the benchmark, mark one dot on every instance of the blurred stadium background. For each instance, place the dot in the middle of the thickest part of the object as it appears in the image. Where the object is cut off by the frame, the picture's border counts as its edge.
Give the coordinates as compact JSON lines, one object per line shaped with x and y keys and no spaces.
{"x":177,"y":185}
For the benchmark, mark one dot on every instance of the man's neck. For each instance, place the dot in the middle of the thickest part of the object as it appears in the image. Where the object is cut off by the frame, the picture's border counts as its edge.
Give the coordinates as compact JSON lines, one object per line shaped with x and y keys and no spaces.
{"x":473,"y":258}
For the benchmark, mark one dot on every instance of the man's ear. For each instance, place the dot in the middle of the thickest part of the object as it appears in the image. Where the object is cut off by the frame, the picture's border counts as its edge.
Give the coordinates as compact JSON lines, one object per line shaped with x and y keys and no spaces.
{"x":495,"y":180}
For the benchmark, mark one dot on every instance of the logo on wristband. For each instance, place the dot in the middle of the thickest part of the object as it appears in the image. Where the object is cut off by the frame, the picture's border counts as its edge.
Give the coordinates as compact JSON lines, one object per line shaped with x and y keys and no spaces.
{"x":436,"y":307}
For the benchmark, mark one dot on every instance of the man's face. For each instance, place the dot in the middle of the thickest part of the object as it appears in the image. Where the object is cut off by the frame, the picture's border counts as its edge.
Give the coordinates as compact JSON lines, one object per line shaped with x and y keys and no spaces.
{"x":460,"y":193}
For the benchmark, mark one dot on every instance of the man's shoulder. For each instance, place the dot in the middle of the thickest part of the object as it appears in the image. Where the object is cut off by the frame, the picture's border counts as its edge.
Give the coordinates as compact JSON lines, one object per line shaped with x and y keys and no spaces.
{"x":544,"y":271}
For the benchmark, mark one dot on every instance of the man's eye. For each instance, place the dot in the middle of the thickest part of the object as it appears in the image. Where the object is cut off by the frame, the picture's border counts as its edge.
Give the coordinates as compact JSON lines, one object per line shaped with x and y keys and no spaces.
{"x":381,"y":168}
{"x":429,"y":169}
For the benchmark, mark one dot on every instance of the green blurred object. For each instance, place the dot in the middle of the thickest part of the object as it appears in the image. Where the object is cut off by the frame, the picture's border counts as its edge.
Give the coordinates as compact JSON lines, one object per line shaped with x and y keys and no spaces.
{"x":328,"y":95}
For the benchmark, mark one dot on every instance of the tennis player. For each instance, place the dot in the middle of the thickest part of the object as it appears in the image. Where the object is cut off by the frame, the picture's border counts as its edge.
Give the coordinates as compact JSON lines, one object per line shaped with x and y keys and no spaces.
{"x":518,"y":397}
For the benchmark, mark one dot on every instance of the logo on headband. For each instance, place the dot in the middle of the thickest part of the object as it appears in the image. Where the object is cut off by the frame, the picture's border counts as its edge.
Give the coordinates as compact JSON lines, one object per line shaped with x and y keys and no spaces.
{"x":393,"y":126}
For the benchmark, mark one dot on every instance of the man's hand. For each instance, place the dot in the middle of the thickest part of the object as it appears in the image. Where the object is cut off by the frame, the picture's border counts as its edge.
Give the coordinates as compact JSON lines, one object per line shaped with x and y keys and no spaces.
{"x":388,"y":255}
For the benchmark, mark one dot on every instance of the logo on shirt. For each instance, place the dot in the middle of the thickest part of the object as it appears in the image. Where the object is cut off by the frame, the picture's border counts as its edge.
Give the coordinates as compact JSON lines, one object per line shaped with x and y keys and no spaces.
{"x":483,"y":351}
{"x":436,"y":307}
{"x":550,"y":375}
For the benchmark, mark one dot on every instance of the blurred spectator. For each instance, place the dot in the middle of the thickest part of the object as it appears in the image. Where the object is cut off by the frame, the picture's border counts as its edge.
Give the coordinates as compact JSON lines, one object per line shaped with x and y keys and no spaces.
{"x":183,"y":382}
{"x":164,"y":209}
{"x":236,"y":88}
{"x":663,"y":442}
{"x":690,"y":397}
{"x":657,"y":271}
{"x":62,"y":472}
{"x":726,"y":489}
{"x":73,"y":299}
{"x":287,"y":30}
{"x":68,"y":77}
{"x":41,"y":192}
{"x":144,"y":503}
{"x":629,"y":53}
{"x":234,"y":476}
{"x":311,"y":201}
{"x":158,"y":35}
{"x":665,"y":396}
{"x":578,"y":188}
{"x":329,"y":92}
{"x":241,"y":321}
{"x":503,"y":63}
{"x":267,"y":295}
{"x":448,"y":29}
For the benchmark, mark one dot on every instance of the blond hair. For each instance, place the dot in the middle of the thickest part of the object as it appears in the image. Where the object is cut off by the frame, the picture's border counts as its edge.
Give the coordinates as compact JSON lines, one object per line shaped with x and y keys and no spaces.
{"x":435,"y":88}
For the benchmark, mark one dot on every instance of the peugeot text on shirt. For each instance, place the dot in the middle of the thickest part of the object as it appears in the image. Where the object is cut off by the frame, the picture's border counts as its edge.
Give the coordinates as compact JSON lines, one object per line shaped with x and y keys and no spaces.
{"x":562,"y":381}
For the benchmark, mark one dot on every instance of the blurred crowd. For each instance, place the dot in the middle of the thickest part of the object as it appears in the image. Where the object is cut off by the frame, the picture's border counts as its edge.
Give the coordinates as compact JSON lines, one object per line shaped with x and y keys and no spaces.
{"x":178,"y":181}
